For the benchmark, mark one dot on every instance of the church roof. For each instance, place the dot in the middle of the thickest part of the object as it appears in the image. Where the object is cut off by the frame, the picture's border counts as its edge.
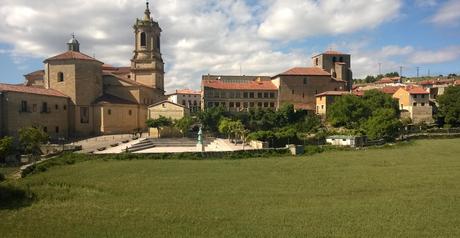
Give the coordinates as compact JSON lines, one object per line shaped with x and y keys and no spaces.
{"x":31,"y":90}
{"x":305,"y":71}
{"x":110,"y":99}
{"x":72,"y":55}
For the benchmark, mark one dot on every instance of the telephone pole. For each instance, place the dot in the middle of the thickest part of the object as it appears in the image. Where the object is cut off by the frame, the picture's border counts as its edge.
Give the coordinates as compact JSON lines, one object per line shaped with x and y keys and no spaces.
{"x":418,"y":70}
{"x":380,"y":68}
{"x":400,"y":70}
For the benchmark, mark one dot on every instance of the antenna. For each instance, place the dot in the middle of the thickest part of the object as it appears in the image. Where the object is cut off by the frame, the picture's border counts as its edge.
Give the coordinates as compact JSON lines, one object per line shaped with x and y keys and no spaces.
{"x":400,"y":71}
{"x":380,"y":68}
{"x":418,"y":71}
{"x":241,"y":70}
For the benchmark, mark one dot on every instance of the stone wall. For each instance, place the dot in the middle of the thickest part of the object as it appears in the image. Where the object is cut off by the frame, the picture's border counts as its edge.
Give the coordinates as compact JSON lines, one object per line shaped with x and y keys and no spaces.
{"x":167,"y":109}
{"x":54,"y":118}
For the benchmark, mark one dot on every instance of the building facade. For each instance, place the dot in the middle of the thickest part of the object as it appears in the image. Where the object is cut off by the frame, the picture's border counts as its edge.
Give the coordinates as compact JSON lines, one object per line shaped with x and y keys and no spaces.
{"x":188,"y":98}
{"x":99,"y":98}
{"x":239,"y":93}
{"x":337,"y":64}
{"x":167,"y":109}
{"x":414,"y":103}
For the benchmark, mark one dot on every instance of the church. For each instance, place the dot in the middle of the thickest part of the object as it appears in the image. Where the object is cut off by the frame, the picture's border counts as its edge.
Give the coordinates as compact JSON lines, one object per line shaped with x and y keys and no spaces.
{"x":76,"y":95}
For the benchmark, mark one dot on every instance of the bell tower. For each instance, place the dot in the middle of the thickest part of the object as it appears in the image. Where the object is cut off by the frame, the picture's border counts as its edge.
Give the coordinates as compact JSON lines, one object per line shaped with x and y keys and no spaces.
{"x":147,"y":66}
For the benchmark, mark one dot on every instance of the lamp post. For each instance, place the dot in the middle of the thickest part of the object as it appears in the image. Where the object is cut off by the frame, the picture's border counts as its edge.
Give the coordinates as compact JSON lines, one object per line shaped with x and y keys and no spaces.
{"x":200,"y":144}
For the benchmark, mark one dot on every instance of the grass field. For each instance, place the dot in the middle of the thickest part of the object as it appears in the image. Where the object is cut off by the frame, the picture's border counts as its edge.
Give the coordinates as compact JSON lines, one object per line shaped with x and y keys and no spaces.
{"x":406,"y":191}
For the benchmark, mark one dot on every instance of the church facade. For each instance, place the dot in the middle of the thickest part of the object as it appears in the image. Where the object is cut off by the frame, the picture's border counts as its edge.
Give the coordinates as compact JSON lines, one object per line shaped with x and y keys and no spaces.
{"x":76,"y":95}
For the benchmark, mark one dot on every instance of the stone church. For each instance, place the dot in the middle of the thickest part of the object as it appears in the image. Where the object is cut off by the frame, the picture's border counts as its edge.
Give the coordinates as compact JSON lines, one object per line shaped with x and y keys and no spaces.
{"x":77,"y":95}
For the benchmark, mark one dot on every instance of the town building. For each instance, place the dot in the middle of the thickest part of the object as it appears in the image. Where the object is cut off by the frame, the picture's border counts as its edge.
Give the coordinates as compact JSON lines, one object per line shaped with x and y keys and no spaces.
{"x":297,"y":86}
{"x":239,"y":93}
{"x":98,"y":98}
{"x":167,"y":109}
{"x":414,"y":103}
{"x":188,"y":98}
{"x":326,"y":99}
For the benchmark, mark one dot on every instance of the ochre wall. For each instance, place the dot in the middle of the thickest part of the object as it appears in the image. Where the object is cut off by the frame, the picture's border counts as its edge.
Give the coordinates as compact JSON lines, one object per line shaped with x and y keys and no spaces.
{"x":168,"y":110}
{"x":14,"y":119}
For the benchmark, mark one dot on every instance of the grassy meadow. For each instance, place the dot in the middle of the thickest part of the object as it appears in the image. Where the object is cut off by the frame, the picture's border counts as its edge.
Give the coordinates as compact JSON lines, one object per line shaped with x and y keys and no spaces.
{"x":405,"y":191}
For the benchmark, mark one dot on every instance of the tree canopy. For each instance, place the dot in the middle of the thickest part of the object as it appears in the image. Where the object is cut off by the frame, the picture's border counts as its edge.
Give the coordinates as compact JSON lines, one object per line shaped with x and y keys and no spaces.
{"x":449,"y":106}
{"x":31,"y":139}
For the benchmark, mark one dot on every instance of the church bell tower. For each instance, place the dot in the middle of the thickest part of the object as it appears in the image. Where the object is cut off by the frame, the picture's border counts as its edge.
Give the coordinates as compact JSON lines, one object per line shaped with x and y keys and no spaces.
{"x":147,"y":66}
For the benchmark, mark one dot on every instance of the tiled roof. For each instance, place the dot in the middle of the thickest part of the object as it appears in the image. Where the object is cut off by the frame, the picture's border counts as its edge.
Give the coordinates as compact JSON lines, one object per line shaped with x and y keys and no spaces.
{"x":72,"y":55}
{"x":389,"y":90}
{"x":333,"y":93}
{"x":31,"y":90}
{"x":116,"y":70}
{"x":252,"y":85}
{"x":416,"y":90}
{"x":187,"y":91}
{"x":457,"y":82}
{"x":36,"y":73}
{"x":130,"y":81}
{"x":110,"y":99}
{"x":305,"y":71}
{"x":166,"y":101}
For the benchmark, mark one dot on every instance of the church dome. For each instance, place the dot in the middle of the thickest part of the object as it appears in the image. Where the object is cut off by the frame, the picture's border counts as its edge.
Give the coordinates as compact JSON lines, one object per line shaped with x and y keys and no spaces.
{"x":73,"y":41}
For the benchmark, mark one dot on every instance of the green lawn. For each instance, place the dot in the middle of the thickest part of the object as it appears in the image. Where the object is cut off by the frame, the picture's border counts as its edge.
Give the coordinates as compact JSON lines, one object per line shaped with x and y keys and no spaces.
{"x":407,"y":191}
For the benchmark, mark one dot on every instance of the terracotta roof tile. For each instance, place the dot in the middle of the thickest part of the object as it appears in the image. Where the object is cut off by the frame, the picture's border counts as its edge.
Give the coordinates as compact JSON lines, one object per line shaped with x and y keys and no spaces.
{"x":72,"y":55}
{"x":31,"y":90}
{"x":252,"y":85}
{"x":333,"y":93}
{"x":389,"y":80}
{"x":416,"y":90}
{"x":187,"y":91}
{"x":333,"y":52}
{"x":305,"y":71}
{"x":389,"y":90}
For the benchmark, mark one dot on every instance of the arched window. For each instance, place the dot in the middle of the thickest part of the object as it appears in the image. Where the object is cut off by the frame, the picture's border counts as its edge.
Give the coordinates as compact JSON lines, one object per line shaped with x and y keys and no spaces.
{"x":334,"y":59}
{"x":143,"y":39}
{"x":341,"y":59}
{"x":60,"y":77}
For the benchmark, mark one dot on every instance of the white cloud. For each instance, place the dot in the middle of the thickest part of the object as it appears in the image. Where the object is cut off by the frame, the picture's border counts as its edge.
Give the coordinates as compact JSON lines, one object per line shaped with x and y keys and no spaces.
{"x":448,"y":13}
{"x":295,"y":19}
{"x":435,"y":57}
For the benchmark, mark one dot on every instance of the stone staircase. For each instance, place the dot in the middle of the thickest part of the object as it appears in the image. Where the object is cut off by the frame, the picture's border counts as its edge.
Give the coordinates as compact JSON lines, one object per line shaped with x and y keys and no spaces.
{"x":168,"y":142}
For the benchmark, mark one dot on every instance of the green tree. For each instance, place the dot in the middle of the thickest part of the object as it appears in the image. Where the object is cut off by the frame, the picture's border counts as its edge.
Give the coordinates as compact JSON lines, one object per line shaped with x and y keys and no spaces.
{"x":184,"y":124}
{"x":383,"y":124}
{"x":6,"y":147}
{"x":31,"y":139}
{"x":348,"y":111}
{"x":210,"y":118}
{"x":237,"y":129}
{"x":225,"y":126}
{"x":392,"y":74}
{"x":374,"y":99}
{"x":449,"y":106}
{"x":159,"y":123}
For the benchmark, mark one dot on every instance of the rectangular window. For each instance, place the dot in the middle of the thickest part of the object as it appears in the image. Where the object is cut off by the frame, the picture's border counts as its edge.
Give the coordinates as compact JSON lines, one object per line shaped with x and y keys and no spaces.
{"x":423,"y":96}
{"x":259,"y":95}
{"x":423,"y":104}
{"x":272,"y":104}
{"x":23,"y":106}
{"x":265,"y":104}
{"x":303,"y":95}
{"x":56,"y":107}
{"x":251,"y":104}
{"x":34,"y":107}
{"x":245,"y":105}
{"x":64,"y":107}
{"x":109,"y":112}
{"x":84,"y":115}
{"x":238,"y":104}
{"x":265,"y":95}
{"x":245,"y":95}
{"x":272,"y":95}
{"x":259,"y":104}
{"x":305,"y":81}
{"x":415,"y":96}
{"x":251,"y":95}
{"x":237,"y":95}
{"x":44,"y":107}
{"x":45,"y":129}
{"x":415,"y":104}
{"x":292,"y":91}
{"x":57,"y":129}
{"x":232,"y":94}
{"x":232,"y":104}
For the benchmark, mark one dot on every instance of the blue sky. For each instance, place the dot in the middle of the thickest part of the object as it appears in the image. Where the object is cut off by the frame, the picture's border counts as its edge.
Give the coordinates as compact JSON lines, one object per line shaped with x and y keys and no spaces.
{"x":217,"y":36}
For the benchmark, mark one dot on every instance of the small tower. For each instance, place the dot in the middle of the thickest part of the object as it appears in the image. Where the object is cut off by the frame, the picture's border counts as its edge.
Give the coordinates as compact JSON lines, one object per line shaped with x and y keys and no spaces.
{"x":147,"y":65}
{"x":73,"y":44}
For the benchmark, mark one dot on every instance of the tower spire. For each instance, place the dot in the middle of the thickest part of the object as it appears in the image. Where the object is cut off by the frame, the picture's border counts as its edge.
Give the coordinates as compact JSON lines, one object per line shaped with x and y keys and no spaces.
{"x":147,"y":11}
{"x":73,"y":44}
